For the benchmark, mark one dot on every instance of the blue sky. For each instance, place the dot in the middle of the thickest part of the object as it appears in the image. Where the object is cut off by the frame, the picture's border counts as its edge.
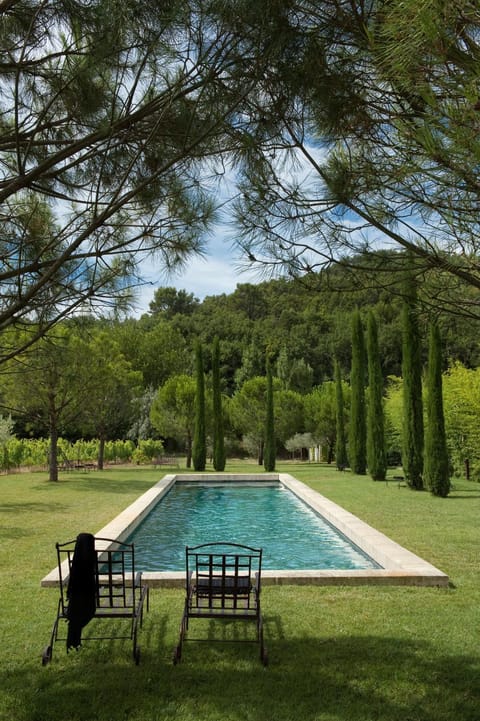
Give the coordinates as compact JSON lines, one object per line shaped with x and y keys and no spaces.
{"x":219,"y":271}
{"x":216,"y":273}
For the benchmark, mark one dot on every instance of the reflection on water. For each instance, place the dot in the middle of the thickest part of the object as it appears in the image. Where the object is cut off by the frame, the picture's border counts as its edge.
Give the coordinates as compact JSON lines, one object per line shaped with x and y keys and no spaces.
{"x":291,"y":534}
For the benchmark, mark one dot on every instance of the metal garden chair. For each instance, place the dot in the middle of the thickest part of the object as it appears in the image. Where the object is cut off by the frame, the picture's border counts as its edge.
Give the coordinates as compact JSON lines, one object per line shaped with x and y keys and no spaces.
{"x":222,"y":583}
{"x":98,"y":581}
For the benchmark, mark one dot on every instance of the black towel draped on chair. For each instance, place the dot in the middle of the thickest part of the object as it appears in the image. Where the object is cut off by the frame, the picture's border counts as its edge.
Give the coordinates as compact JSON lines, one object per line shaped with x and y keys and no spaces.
{"x":81,"y":591}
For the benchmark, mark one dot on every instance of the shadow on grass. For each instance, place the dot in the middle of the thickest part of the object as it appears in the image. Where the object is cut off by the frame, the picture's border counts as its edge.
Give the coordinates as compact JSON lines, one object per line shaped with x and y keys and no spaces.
{"x":359,"y":678}
{"x":463,"y":495}
{"x":96,"y":482}
{"x":26,"y":507}
{"x":15,"y":511}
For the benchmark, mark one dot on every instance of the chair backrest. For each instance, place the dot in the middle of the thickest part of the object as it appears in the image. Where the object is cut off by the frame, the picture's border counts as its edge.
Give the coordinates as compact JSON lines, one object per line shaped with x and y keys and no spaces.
{"x":223,"y":574}
{"x":115,"y":586}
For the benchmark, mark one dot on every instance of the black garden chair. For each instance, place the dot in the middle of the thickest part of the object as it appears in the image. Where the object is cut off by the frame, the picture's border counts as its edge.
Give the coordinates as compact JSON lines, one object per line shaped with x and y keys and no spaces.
{"x":97,"y":581}
{"x":222,"y":583}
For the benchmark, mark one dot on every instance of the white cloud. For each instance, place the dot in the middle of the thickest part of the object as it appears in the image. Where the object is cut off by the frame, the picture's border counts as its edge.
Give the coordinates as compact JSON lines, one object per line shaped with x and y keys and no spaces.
{"x":201,"y":276}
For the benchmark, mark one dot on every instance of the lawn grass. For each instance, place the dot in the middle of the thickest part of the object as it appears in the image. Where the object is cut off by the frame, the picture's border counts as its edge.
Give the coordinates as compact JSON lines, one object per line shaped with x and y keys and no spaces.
{"x":336,"y":653}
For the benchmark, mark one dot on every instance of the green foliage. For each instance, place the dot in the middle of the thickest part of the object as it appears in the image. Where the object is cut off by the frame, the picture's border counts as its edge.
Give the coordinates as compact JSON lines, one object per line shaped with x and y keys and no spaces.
{"x":47,"y":385}
{"x":154,"y":347}
{"x":295,"y":373}
{"x":110,"y":387}
{"x":147,"y":451}
{"x":199,"y":449}
{"x":126,"y":156}
{"x":412,"y":436}
{"x":357,"y":441}
{"x":33,"y":452}
{"x":461,"y":396}
{"x":289,"y":412}
{"x":99,"y":375}
{"x":119,"y":451}
{"x":81,"y":450}
{"x":383,"y":165}
{"x":247,"y":412}
{"x":173,"y":411}
{"x":394,"y":418}
{"x":14,"y":454}
{"x":376,"y":458}
{"x":321,"y":416}
{"x":6,"y":436}
{"x":141,"y":427}
{"x":269,"y":456}
{"x":299,"y":442}
{"x":219,"y":456}
{"x":436,"y":466}
{"x":168,"y":302}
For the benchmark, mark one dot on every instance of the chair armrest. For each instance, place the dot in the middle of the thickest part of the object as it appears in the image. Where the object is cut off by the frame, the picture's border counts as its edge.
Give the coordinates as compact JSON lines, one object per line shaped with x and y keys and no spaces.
{"x":138,"y":579}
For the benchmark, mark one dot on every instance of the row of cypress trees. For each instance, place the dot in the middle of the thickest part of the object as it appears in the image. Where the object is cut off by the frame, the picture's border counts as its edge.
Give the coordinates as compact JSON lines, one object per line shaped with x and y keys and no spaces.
{"x":199,"y":449}
{"x":424,"y":450}
{"x":366,"y":447}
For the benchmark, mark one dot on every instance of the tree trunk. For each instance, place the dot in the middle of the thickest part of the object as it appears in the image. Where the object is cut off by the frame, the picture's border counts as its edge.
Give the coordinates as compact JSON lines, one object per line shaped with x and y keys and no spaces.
{"x":101,"y":453}
{"x":53,"y":452}
{"x":330,"y":453}
{"x":260,"y":453}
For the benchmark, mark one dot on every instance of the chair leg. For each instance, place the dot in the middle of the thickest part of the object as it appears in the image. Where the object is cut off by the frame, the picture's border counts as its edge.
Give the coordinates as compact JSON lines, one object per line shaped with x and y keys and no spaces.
{"x":263,"y":650}
{"x":47,"y":653}
{"x":177,"y":653}
{"x":136,"y":649}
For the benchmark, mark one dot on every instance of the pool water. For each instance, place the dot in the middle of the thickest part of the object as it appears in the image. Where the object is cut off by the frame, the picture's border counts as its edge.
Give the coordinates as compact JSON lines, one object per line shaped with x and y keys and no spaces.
{"x":292,"y":535}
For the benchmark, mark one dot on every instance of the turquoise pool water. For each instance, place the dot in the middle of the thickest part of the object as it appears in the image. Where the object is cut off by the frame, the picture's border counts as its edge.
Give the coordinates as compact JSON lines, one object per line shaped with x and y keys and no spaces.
{"x":261,"y":515}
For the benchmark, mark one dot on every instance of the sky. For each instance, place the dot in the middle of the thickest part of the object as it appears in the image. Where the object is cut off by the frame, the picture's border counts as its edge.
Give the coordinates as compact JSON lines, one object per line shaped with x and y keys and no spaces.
{"x":216,"y":273}
{"x":219,"y":271}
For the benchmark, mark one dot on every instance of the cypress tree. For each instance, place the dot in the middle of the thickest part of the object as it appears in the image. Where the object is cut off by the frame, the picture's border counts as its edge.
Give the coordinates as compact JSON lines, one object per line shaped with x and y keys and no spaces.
{"x":412,"y":440}
{"x":269,"y":452}
{"x":436,"y":471}
{"x":376,"y":456}
{"x":341,"y":441}
{"x":357,"y":447}
{"x":218,"y":439}
{"x":199,"y":449}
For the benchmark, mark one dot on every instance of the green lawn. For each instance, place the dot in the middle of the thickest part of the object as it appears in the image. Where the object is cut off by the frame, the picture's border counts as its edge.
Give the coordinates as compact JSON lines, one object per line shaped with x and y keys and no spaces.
{"x":336,"y":654}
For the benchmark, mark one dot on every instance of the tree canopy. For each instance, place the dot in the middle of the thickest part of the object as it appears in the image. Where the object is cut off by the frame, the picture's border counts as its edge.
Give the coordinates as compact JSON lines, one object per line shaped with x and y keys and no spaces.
{"x":380,"y":113}
{"x":116,"y":120}
{"x":341,"y":132}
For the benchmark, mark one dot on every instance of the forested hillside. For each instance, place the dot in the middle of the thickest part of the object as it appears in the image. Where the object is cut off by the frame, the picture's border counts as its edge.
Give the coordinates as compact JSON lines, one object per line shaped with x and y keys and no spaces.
{"x":134,"y":378}
{"x":298,"y":322}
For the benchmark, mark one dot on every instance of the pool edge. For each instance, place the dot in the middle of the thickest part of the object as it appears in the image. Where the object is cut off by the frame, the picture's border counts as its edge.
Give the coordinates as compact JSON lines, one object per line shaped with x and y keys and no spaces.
{"x":399,"y":566}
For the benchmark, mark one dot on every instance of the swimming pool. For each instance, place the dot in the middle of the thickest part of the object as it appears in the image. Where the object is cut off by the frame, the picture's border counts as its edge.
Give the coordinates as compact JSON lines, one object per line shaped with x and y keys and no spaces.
{"x":263,"y":515}
{"x":396,"y":564}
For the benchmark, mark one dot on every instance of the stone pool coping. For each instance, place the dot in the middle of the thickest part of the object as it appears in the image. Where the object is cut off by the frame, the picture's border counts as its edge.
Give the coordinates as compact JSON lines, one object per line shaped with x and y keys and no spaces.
{"x":398,"y":565}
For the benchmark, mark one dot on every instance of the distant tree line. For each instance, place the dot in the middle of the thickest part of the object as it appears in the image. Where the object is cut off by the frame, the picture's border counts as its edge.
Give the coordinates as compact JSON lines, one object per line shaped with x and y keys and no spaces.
{"x":140,"y":378}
